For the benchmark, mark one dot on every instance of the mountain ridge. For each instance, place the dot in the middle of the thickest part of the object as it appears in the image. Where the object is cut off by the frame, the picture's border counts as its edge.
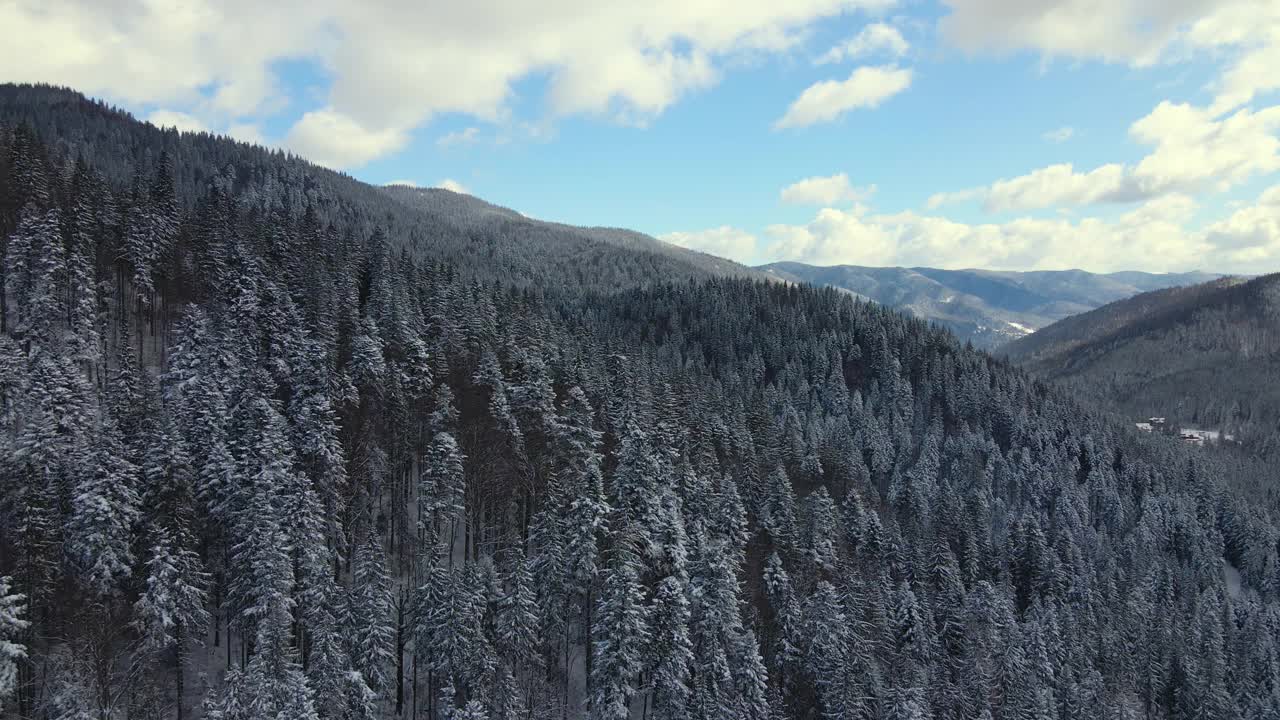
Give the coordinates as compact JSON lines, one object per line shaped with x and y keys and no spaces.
{"x":987,"y":307}
{"x":1205,"y":355}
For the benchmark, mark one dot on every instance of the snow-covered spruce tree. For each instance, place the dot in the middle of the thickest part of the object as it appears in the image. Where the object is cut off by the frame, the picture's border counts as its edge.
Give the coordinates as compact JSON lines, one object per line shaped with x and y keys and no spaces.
{"x":105,"y":510}
{"x":516,"y":625}
{"x":369,"y":633}
{"x":620,"y":631}
{"x":12,"y":625}
{"x":442,"y":472}
{"x":670,"y":649}
{"x":171,"y":611}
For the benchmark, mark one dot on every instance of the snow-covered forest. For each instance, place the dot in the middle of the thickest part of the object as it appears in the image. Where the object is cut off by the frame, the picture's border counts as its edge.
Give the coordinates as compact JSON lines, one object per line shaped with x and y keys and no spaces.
{"x":278,"y":444}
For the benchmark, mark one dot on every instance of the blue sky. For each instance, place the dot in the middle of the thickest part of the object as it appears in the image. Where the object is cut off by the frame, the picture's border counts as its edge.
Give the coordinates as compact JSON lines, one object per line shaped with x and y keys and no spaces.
{"x":1133,"y":134}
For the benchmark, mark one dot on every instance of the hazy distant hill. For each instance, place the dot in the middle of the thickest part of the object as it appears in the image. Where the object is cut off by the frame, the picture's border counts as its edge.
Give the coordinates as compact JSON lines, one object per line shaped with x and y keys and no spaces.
{"x":1207,"y":355}
{"x":985,"y":306}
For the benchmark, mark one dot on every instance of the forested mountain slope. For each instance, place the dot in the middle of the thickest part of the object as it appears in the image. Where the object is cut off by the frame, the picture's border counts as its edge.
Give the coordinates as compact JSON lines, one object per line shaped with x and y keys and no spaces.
{"x":269,"y":451}
{"x":1206,"y":356}
{"x":474,"y":215}
{"x":480,"y":239}
{"x":987,"y":307}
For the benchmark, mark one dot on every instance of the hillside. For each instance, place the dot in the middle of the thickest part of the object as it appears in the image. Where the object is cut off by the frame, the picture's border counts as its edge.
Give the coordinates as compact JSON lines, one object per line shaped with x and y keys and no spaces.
{"x":987,"y":307}
{"x":477,"y":217}
{"x":1205,"y":356}
{"x":278,"y":444}
{"x":483,"y":240}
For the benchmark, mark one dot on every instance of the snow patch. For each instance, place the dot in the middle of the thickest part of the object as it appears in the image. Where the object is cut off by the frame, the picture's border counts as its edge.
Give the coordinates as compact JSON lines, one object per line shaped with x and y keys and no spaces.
{"x":1235,"y":585}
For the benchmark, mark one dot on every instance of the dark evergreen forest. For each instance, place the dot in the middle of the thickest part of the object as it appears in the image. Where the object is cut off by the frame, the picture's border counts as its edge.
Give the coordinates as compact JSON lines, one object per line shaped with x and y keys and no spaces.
{"x":278,"y":444}
{"x":1205,"y":356}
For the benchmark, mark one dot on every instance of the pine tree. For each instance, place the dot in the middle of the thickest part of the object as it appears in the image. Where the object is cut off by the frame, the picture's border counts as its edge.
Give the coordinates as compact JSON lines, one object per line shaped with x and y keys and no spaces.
{"x":12,"y":625}
{"x":778,"y":515}
{"x":517,"y":615}
{"x":262,"y":579}
{"x":371,"y":635}
{"x":820,"y":533}
{"x":827,"y":654}
{"x":671,"y":649}
{"x":105,"y":509}
{"x":443,"y":483}
{"x":787,"y":622}
{"x":172,"y":608}
{"x":621,"y":629}
{"x":173,"y":605}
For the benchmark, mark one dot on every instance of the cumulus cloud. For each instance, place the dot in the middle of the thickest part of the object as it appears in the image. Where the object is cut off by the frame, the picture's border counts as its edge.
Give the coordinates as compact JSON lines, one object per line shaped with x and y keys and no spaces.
{"x":1249,"y":31}
{"x":453,"y":186}
{"x":872,"y":39}
{"x":1192,"y":151}
{"x":394,"y":64}
{"x":1152,"y":236}
{"x":1057,"y":185}
{"x":248,"y":133}
{"x":331,"y":138}
{"x":1129,"y":31}
{"x":180,"y":121}
{"x":1243,"y":34}
{"x":830,"y":190}
{"x":1250,"y":236}
{"x":153,"y":52}
{"x":866,"y":87}
{"x":724,"y":241}
{"x":1158,"y":235}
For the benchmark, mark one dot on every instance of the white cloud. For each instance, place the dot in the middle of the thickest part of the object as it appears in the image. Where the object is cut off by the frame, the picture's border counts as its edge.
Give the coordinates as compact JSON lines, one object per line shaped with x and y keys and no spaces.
{"x":866,"y":87}
{"x":1060,"y":135}
{"x":872,"y":39}
{"x":1151,"y":237}
{"x":1157,"y":235}
{"x":1250,"y":28}
{"x":158,"y":52}
{"x":1057,"y":185}
{"x":1250,"y":236}
{"x":185,"y":122}
{"x":1128,"y":31}
{"x":466,"y":136}
{"x":178,"y":120}
{"x":831,"y":190}
{"x":725,"y":241}
{"x":453,"y":186}
{"x":1192,"y":151}
{"x":394,"y":64}
{"x":247,"y":133}
{"x":1244,"y":34}
{"x":333,"y":139}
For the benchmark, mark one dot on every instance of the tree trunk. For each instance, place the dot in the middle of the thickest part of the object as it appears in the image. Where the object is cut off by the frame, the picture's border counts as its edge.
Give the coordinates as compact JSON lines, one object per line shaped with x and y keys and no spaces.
{"x":177,"y":651}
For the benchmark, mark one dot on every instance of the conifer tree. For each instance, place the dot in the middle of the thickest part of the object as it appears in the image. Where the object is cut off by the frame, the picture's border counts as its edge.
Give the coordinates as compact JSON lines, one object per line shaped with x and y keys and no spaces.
{"x":12,"y":625}
{"x":105,"y":509}
{"x":370,"y":633}
{"x":621,"y":629}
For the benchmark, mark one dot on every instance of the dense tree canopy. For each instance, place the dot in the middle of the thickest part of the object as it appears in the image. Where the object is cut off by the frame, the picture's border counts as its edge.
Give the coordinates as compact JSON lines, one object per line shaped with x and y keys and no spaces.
{"x":276,"y":443}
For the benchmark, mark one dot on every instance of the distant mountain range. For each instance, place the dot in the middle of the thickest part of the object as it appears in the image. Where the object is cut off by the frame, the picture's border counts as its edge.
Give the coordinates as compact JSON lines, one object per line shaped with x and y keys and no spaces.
{"x":987,"y":307}
{"x":1206,"y":355}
